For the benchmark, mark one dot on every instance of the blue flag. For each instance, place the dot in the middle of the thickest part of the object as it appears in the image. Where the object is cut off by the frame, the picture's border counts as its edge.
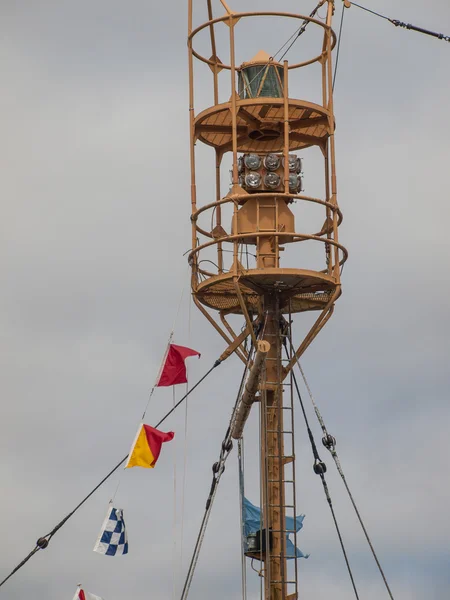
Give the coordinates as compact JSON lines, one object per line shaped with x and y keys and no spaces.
{"x":252,"y":519}
{"x":112,"y":540}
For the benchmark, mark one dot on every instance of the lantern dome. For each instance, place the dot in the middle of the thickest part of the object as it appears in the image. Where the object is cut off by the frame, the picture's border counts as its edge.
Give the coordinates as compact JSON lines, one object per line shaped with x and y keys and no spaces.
{"x":260,"y":77}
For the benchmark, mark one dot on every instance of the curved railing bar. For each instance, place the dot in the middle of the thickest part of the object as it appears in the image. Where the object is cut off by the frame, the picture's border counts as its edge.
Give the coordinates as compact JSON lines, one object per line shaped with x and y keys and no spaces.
{"x":234,"y":200}
{"x":212,"y":22}
{"x":236,"y":197}
{"x":300,"y":237}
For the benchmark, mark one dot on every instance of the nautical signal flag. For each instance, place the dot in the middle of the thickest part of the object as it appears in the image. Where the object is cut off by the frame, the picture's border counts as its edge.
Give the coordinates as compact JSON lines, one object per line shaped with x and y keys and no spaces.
{"x":147,"y":447}
{"x":82,"y":595}
{"x":113,"y":540}
{"x":174,"y":368}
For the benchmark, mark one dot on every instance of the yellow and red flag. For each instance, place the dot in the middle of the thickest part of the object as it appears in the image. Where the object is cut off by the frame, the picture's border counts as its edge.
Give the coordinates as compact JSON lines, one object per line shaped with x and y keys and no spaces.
{"x":147,"y":447}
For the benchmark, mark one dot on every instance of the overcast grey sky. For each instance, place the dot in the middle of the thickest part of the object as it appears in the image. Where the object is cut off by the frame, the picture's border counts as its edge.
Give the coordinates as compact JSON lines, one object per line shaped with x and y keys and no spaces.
{"x":95,"y":220}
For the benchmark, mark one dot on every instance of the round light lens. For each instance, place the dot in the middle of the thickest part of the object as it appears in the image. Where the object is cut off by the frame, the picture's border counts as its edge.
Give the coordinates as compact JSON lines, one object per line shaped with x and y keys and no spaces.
{"x":272,"y":181}
{"x":253,"y":180}
{"x":295,"y":183}
{"x":240,"y":164}
{"x":295,"y":164}
{"x":272,"y":162}
{"x":252,"y":161}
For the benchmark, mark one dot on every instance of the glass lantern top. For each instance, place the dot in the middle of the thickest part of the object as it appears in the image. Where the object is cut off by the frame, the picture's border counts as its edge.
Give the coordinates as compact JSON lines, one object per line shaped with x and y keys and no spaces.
{"x":260,"y":77}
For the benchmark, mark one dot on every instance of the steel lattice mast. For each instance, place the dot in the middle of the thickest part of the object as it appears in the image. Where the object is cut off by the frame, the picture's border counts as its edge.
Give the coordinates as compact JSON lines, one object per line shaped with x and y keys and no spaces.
{"x":257,"y":132}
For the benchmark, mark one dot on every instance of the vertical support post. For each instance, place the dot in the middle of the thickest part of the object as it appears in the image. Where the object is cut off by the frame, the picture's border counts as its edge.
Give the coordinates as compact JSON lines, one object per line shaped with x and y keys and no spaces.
{"x":214,"y":53}
{"x":326,"y":151}
{"x":192,"y":143}
{"x":219,"y":210}
{"x":235,"y":175}
{"x":331,"y":143}
{"x":286,"y":125}
{"x":330,"y":235}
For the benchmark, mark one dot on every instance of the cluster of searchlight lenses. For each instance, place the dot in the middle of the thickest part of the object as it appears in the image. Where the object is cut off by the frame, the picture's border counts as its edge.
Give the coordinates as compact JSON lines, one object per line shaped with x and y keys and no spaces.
{"x":256,"y":171}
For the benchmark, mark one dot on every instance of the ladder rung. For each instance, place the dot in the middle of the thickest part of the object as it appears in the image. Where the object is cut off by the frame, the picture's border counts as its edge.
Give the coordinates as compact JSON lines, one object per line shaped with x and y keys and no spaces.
{"x":277,"y":456}
{"x":275,"y":334}
{"x":282,"y":481}
{"x":277,"y":431}
{"x":281,"y":506}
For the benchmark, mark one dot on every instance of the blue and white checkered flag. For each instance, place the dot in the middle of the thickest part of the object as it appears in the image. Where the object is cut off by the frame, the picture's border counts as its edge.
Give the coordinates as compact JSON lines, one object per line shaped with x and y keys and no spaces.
{"x":113,"y":538}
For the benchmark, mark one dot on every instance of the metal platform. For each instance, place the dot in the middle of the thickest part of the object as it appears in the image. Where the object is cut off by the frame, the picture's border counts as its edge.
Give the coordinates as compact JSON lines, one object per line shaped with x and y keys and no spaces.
{"x":260,"y":124}
{"x":300,"y":290}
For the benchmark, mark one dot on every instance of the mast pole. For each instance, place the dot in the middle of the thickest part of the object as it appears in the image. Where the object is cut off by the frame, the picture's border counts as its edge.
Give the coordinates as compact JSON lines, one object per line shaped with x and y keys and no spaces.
{"x":272,"y":458}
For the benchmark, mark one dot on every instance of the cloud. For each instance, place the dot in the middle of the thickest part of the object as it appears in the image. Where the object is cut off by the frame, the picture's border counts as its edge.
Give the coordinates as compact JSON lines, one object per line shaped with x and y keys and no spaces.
{"x":95,"y":221}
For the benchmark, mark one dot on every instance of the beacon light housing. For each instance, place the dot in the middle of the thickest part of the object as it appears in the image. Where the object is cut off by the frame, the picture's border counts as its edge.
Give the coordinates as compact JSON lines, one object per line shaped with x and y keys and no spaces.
{"x":253,"y":180}
{"x":272,"y":162}
{"x":294,"y":162}
{"x":295,"y":183}
{"x":272,"y":181}
{"x":252,"y":161}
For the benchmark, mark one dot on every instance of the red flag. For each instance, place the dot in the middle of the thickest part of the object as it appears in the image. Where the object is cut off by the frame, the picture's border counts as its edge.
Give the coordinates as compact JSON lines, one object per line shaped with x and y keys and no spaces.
{"x":174,"y":369}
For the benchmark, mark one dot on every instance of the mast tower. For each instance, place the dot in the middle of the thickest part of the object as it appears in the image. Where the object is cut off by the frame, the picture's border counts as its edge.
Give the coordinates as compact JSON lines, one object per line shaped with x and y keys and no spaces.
{"x":254,"y":126}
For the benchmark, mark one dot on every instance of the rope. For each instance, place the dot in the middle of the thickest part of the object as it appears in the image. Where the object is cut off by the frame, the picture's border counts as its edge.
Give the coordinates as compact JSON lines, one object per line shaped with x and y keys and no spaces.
{"x":398,"y":23}
{"x":303,"y":28}
{"x":338,"y":47}
{"x":241,"y":465}
{"x":320,"y":469}
{"x":21,"y":564}
{"x":371,"y":11}
{"x":330,"y":444}
{"x":174,"y":523}
{"x":183,"y":488}
{"x":218,"y":468}
{"x":297,"y":33}
{"x":163,"y":360}
{"x":43,"y":542}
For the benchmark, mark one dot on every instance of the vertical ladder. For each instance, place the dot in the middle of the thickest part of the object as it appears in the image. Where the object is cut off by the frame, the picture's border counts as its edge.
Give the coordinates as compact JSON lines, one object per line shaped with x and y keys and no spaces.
{"x":286,"y":505}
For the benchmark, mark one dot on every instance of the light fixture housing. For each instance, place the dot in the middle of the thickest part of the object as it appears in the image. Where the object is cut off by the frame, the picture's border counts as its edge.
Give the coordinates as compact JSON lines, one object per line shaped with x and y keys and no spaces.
{"x":272,"y":162}
{"x":295,"y":183}
{"x":253,"y":180}
{"x":272,"y":180}
{"x":252,"y":161}
{"x":295,"y":163}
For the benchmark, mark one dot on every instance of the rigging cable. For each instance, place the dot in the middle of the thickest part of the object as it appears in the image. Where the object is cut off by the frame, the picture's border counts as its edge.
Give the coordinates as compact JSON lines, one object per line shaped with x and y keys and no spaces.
{"x":303,"y":28}
{"x":338,"y":47}
{"x":320,"y":469}
{"x":218,"y":468}
{"x":329,"y":442}
{"x":297,"y":33}
{"x":398,"y":23}
{"x":44,"y":541}
{"x":241,"y":466}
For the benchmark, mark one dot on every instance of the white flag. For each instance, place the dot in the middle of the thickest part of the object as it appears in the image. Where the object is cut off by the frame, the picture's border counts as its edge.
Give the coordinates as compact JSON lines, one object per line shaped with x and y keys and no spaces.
{"x":80,"y":594}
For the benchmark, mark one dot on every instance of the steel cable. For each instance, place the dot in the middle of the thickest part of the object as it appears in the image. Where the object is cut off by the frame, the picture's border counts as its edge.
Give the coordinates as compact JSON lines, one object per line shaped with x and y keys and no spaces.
{"x":319,"y":468}
{"x":338,"y":47}
{"x":43,"y":542}
{"x":330,"y":444}
{"x":218,"y":469}
{"x":398,"y":23}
